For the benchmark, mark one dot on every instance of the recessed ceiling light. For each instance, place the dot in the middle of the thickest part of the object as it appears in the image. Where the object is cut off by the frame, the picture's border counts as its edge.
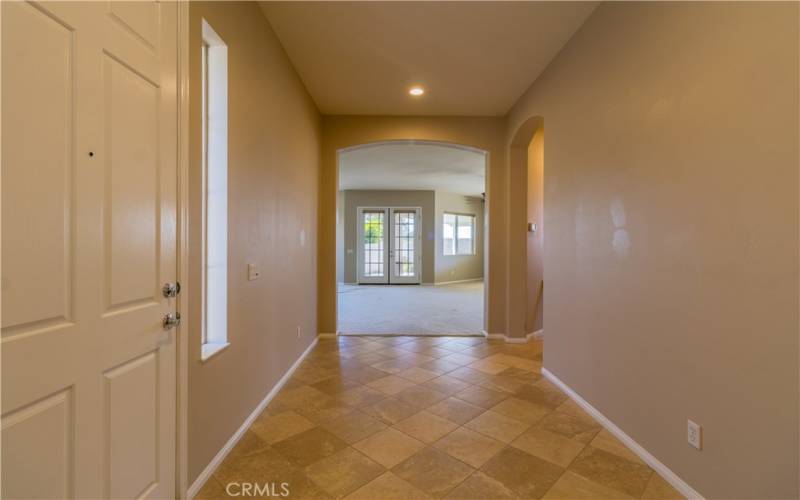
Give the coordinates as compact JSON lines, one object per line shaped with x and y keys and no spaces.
{"x":416,"y":91}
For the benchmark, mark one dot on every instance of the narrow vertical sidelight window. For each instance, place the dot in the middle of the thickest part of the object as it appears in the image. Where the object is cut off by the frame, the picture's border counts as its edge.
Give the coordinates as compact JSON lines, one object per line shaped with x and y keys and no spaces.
{"x":215,"y":192}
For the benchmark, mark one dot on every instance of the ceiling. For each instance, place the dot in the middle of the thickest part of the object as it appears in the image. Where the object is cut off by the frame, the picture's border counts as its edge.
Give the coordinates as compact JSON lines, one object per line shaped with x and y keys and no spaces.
{"x":413,"y":165}
{"x":473,"y":58}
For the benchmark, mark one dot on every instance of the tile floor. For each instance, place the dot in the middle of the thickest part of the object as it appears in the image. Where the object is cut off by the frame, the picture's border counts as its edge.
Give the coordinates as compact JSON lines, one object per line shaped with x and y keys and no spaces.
{"x":379,"y":418}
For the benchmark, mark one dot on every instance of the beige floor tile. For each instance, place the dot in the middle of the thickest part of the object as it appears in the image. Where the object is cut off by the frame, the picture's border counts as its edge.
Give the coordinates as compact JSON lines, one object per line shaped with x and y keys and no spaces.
{"x":497,"y":426}
{"x":335,"y":385}
{"x":469,"y":446}
{"x":433,"y":471}
{"x":421,"y":397}
{"x":612,"y":471}
{"x":274,"y":428}
{"x":549,"y":446}
{"x":388,"y":487}
{"x":296,"y":398}
{"x":310,"y":446}
{"x":389,"y":447}
{"x":479,"y":486}
{"x":543,"y":396}
{"x":361,"y":396}
{"x":480,"y":396}
{"x":393,"y":365}
{"x":354,"y":426}
{"x":418,"y":375}
{"x":658,"y":489}
{"x":425,"y":426}
{"x":266,"y":466}
{"x":570,"y":426}
{"x":456,"y":410}
{"x":523,"y":363}
{"x":446,"y":384}
{"x":526,"y":475}
{"x":468,"y":375}
{"x":301,"y":488}
{"x":571,"y":486}
{"x":212,"y":490}
{"x":323,"y":411}
{"x":605,"y":441}
{"x":390,"y":410}
{"x":461,"y":359}
{"x":503,"y":383}
{"x":391,"y":385}
{"x":519,"y":409}
{"x":249,"y":444}
{"x":343,"y":472}
{"x":488,"y":366}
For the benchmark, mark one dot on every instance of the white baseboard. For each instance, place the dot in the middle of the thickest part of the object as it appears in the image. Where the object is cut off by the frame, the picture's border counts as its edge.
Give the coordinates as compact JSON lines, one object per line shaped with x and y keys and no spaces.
{"x":661,"y":469}
{"x":538,"y":334}
{"x":220,"y":456}
{"x":457,"y":281}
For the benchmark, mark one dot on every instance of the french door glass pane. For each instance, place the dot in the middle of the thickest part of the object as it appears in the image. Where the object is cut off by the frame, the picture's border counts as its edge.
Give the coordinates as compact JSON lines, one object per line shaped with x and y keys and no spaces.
{"x":373,"y":244}
{"x":404,"y":242}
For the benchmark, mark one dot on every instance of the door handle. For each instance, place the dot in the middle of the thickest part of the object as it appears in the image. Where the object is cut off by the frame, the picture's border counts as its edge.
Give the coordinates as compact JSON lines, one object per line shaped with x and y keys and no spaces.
{"x":171,"y":289}
{"x":171,"y":320}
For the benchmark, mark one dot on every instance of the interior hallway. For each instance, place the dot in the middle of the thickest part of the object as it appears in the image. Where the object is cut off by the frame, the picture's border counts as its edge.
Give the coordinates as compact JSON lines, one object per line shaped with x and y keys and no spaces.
{"x":410,"y":309}
{"x":439,"y":417}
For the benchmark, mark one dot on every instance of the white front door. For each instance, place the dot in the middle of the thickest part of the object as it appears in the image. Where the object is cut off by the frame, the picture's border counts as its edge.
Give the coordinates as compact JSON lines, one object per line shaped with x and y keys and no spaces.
{"x":389,"y":245}
{"x":89,"y":219}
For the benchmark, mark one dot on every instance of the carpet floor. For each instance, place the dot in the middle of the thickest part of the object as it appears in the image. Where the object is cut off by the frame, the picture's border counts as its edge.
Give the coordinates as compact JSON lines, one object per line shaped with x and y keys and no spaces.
{"x":411,"y":309}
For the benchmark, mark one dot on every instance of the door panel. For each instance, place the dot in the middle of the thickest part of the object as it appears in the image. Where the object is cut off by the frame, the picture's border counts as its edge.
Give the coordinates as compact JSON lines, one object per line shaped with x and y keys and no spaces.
{"x":44,"y":432}
{"x":89,"y":206}
{"x":132,"y":408}
{"x":39,"y":244}
{"x":132,"y":185}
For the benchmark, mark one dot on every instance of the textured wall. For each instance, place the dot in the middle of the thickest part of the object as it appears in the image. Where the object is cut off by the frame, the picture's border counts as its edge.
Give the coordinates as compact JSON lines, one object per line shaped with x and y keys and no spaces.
{"x":273,"y":160}
{"x":671,"y":253}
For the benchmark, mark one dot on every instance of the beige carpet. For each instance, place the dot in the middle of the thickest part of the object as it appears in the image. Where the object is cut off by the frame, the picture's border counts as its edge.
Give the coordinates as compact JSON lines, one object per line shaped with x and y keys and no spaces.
{"x":411,"y":309}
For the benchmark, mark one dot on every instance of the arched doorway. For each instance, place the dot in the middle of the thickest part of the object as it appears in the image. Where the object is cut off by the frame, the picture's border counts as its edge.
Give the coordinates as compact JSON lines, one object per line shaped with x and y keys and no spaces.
{"x":525,"y":308}
{"x":437,"y":186}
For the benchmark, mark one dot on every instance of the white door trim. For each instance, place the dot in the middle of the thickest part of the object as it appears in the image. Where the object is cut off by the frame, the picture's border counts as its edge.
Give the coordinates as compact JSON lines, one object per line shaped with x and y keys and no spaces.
{"x":182,"y":333}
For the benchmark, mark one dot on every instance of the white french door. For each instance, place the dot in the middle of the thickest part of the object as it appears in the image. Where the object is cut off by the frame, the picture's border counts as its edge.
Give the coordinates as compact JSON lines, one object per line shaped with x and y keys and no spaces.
{"x":389,"y":245}
{"x":89,"y":194}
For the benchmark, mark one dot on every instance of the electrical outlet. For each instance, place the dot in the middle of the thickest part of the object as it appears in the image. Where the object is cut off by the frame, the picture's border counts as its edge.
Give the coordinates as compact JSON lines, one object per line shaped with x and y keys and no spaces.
{"x":252,"y":272}
{"x":694,"y":434}
{"x":298,"y":332}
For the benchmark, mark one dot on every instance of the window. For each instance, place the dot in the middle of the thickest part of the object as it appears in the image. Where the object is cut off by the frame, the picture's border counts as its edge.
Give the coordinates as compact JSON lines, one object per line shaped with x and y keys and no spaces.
{"x":458,"y":234}
{"x":215,"y":193}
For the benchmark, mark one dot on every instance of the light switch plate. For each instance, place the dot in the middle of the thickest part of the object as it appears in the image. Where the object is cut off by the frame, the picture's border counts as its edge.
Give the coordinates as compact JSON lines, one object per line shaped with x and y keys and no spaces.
{"x":694,"y":434}
{"x":252,"y":272}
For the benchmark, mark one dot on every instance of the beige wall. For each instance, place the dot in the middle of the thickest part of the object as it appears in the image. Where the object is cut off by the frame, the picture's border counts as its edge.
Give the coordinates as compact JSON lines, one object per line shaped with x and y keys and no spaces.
{"x":347,"y":131}
{"x":354,"y":198}
{"x":273,"y":158}
{"x":535,"y":240}
{"x":671,"y":256}
{"x":458,"y":267}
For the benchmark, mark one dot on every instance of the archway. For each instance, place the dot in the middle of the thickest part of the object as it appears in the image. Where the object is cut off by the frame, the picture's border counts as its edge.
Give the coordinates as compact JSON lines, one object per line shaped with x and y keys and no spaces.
{"x":446,"y":182}
{"x":525,"y":306}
